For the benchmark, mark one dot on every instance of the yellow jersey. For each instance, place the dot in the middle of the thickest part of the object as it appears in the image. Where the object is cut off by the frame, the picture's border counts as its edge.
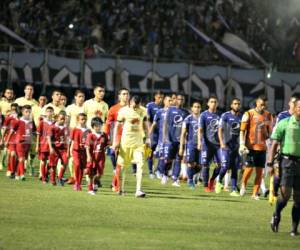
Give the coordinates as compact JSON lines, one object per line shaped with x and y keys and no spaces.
{"x":72,"y":111}
{"x":36,"y":111}
{"x":57,"y":109}
{"x":133,"y":132}
{"x":5,"y":106}
{"x":21,"y":101}
{"x":92,"y":108}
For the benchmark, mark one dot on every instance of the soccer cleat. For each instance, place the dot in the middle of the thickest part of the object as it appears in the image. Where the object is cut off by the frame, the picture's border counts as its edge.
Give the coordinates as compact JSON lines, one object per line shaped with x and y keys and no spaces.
{"x":226,"y":189}
{"x":92,"y":192}
{"x":176,"y":183}
{"x":8,"y":174}
{"x":95,"y":187}
{"x":22,"y":178}
{"x":207,"y":190}
{"x":275,"y":223}
{"x":140,"y":194}
{"x":151,"y":176}
{"x":17,"y":177}
{"x":164,"y":180}
{"x":75,"y":187}
{"x":266,"y":193}
{"x":71,"y":181}
{"x":243,"y":190}
{"x":158,"y":175}
{"x":235,"y":193}
{"x":294,"y":233}
{"x":219,"y":187}
{"x":60,"y":182}
{"x":121,"y":193}
{"x":255,"y":197}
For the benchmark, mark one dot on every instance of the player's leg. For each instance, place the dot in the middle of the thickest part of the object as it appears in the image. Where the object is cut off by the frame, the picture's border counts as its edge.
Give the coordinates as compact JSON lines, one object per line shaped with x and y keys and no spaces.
{"x":167,"y":165}
{"x":296,"y":198}
{"x":62,"y":154}
{"x":248,"y":169}
{"x":177,"y":165}
{"x":77,"y":169}
{"x":224,"y":158}
{"x":286,"y":186}
{"x":124,"y":161}
{"x":190,"y":157}
{"x":43,"y":156}
{"x":206,"y":157}
{"x":151,"y":160}
{"x":22,"y":154}
{"x":259,"y":159}
{"x":138,"y":158}
{"x":53,"y":160}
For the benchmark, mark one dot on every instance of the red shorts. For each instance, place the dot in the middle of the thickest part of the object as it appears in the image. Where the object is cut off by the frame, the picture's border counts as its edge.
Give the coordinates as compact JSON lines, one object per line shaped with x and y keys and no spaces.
{"x":96,"y":167}
{"x":22,"y":149}
{"x":58,"y":154}
{"x":43,"y":156}
{"x":79,"y":158}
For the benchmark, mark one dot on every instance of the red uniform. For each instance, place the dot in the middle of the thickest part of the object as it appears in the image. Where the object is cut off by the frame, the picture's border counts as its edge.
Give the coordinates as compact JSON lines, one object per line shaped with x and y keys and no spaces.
{"x":23,"y":134}
{"x":42,"y":131}
{"x":97,"y":144}
{"x":79,"y":137}
{"x":11,"y":144}
{"x":59,"y":137}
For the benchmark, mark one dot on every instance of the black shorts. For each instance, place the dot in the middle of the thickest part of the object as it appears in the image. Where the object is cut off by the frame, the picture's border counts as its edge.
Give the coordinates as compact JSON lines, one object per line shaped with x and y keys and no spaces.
{"x":290,"y":174}
{"x":256,"y":159}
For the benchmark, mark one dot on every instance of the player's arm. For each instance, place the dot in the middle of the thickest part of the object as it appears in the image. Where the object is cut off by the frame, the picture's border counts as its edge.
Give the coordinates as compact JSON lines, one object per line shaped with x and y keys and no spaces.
{"x":200,"y":132}
{"x":116,"y":143}
{"x":182,"y":140}
{"x":87,"y":149}
{"x":165,"y":126}
{"x":146,"y":131}
{"x":243,"y":133}
{"x":49,"y":139}
{"x":220,"y":134}
{"x":152,"y":127}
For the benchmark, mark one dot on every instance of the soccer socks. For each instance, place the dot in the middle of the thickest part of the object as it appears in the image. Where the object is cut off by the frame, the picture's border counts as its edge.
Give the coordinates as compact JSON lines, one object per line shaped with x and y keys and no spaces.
{"x":222,"y":174}
{"x":61,"y":172}
{"x":280,"y":204}
{"x":215,"y":173}
{"x":246,"y":175}
{"x":139,"y":176}
{"x":53,"y":174}
{"x":116,"y":178}
{"x":257,"y":181}
{"x":113,"y":158}
{"x":190,"y":173}
{"x":21,"y":168}
{"x":234,"y":175}
{"x":43,"y":170}
{"x":176,"y":169}
{"x":150,"y":165}
{"x":160,"y":166}
{"x":12,"y":162}
{"x":205,"y":175}
{"x":295,"y":216}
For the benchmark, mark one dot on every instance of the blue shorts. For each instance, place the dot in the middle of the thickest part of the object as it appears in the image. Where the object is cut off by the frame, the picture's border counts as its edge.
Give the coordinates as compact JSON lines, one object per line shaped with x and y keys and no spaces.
{"x":171,"y":151}
{"x":230,"y":159}
{"x":210,"y":153}
{"x":192,"y":154}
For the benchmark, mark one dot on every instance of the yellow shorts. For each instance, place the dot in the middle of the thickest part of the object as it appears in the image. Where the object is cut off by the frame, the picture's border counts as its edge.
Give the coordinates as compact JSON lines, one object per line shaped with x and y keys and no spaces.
{"x":129,"y":155}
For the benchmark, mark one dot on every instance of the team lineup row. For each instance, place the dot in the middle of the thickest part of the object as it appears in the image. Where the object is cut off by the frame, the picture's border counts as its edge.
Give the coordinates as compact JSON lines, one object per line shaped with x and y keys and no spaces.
{"x":83,"y":130}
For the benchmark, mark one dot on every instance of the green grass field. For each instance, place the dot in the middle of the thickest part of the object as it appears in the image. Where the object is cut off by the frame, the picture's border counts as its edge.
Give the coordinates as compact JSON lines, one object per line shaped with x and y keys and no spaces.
{"x":37,"y":216}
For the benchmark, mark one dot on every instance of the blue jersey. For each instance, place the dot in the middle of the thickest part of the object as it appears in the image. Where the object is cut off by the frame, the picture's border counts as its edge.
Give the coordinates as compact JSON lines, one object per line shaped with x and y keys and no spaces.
{"x":282,"y":115}
{"x":230,"y":125}
{"x":159,"y":119}
{"x":190,"y":123}
{"x":174,"y":120}
{"x":209,"y":123}
{"x":152,"y":109}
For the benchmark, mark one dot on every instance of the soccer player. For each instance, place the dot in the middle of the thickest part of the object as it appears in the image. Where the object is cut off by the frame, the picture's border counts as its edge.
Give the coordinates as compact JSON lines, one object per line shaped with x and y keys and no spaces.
{"x":37,"y":109}
{"x":23,"y":129}
{"x":55,"y":104}
{"x":27,"y":99}
{"x":96,"y":144}
{"x":152,"y":108}
{"x":158,"y":122}
{"x":287,"y":134}
{"x":8,"y":138}
{"x":42,"y":146}
{"x":63,"y":100}
{"x":172,"y":132}
{"x":208,"y":142}
{"x":112,"y":116}
{"x":96,"y":106}
{"x":229,"y":132}
{"x":58,"y":139}
{"x":281,"y":116}
{"x":73,"y":110}
{"x":78,"y":140}
{"x":131,"y":146}
{"x":256,"y":127}
{"x":188,"y":142}
{"x":5,"y":103}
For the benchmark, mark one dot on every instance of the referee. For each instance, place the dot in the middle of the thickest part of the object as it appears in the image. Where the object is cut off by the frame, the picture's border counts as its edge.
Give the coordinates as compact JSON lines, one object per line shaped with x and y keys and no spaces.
{"x":287,"y":134}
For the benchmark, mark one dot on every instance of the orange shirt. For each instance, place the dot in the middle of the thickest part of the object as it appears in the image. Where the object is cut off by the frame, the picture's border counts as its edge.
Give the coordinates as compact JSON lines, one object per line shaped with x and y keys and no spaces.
{"x":111,"y":120}
{"x":258,"y":129}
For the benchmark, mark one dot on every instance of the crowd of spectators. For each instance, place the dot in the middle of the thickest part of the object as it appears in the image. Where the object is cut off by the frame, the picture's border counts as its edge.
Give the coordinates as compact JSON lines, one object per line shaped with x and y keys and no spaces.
{"x":154,"y":28}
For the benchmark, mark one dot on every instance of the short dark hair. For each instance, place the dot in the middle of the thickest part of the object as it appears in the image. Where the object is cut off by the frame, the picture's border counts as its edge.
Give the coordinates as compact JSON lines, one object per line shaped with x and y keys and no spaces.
{"x":158,"y":92}
{"x":26,"y":107}
{"x":262,"y":97}
{"x":56,"y":90}
{"x":100,"y":85}
{"x":235,"y":99}
{"x":78,"y":91}
{"x":14,"y":105}
{"x":82,"y":114}
{"x":28,"y":84}
{"x":195,"y":102}
{"x":50,"y":108}
{"x":123,"y":89}
{"x":212,"y":97}
{"x":96,"y":121}
{"x":62,"y":112}
{"x":136,"y":99}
